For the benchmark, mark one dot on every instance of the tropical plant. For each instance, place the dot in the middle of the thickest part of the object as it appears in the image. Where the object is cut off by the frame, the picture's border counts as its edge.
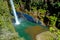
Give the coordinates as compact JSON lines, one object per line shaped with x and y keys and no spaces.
{"x":7,"y":31}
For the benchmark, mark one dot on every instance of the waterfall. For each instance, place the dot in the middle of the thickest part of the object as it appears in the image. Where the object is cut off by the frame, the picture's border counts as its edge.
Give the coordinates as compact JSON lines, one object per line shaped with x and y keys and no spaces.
{"x":14,"y":12}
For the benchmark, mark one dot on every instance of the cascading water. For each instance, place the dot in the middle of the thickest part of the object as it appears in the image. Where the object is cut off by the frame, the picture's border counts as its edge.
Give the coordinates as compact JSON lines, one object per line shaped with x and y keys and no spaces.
{"x":14,"y":12}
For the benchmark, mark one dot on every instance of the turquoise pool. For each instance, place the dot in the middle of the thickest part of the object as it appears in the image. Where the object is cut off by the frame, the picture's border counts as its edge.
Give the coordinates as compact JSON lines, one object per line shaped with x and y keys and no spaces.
{"x":23,"y":25}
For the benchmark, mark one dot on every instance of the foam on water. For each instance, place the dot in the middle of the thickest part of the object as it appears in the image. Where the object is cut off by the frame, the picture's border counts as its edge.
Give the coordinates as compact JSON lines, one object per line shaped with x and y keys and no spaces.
{"x":14,"y":12}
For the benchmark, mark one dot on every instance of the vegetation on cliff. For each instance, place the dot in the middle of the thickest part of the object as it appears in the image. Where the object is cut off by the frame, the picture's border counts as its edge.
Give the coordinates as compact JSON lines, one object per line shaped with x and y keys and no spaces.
{"x":47,"y":11}
{"x":7,"y":30}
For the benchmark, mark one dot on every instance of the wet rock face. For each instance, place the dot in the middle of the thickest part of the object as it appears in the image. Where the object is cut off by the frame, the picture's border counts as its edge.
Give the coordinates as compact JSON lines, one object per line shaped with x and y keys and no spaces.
{"x":58,"y":24}
{"x":46,"y":21}
{"x":45,"y":36}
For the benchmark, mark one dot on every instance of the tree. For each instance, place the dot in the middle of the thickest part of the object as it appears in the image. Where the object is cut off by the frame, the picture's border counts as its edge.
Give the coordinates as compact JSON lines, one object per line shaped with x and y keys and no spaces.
{"x":7,"y":31}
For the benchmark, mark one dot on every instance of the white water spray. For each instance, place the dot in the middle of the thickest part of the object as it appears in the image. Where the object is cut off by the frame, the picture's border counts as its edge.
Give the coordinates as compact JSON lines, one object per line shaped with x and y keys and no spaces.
{"x":14,"y":12}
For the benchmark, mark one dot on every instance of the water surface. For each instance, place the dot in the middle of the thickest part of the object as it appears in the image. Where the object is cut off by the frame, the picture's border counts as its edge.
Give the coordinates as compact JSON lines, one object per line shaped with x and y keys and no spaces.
{"x":24,"y":24}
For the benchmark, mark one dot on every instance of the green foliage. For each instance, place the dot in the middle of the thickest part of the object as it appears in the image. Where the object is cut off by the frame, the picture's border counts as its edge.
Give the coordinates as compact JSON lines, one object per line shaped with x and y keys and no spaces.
{"x":53,"y":20}
{"x":16,"y":6}
{"x":7,"y":31}
{"x":34,"y":8}
{"x":42,"y":11}
{"x":51,"y":29}
{"x":58,"y":4}
{"x":56,"y":32}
